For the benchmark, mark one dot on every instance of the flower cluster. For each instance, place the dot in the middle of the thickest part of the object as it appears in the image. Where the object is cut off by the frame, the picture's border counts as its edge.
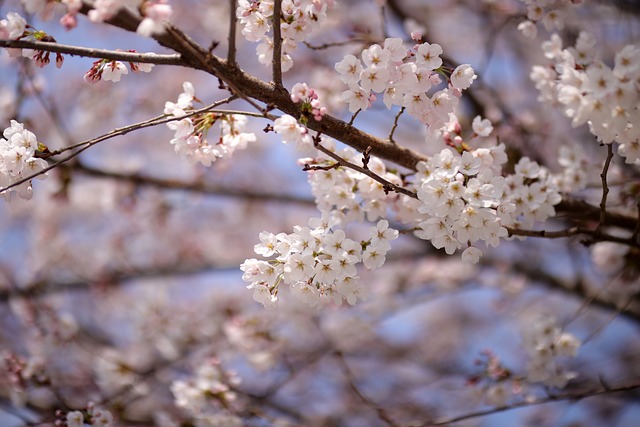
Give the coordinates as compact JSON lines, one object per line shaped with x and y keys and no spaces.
{"x":15,"y":27}
{"x":24,"y":375}
{"x":291,"y":131}
{"x":607,"y":99}
{"x":298,"y":20}
{"x":534,"y":192}
{"x":575,"y":164}
{"x":70,"y":20}
{"x":208,"y":395}
{"x":546,"y":345}
{"x":108,"y":70}
{"x":496,"y":381}
{"x":155,"y":13}
{"x":462,"y":198}
{"x":89,"y":416}
{"x":190,"y":137}
{"x":547,"y":12}
{"x":310,"y":102}
{"x":12,"y":28}
{"x":317,"y":262}
{"x":18,"y":159}
{"x":348,"y":195}
{"x":404,"y":76}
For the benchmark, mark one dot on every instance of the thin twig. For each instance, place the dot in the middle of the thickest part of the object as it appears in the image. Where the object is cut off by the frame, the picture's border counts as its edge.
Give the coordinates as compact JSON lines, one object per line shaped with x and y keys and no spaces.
{"x":143,"y":58}
{"x":243,"y":84}
{"x":522,"y":404}
{"x":48,"y":105}
{"x":490,"y":43}
{"x":308,"y":167}
{"x":395,"y":125}
{"x":382,"y":414}
{"x":196,"y":187}
{"x":336,"y":44}
{"x":277,"y":44}
{"x":231,"y":53}
{"x":238,"y":112}
{"x":573,"y":231}
{"x":116,"y":132}
{"x":353,"y":118}
{"x":605,"y":188}
{"x":387,"y":185}
{"x":588,"y":300}
{"x":607,"y":322}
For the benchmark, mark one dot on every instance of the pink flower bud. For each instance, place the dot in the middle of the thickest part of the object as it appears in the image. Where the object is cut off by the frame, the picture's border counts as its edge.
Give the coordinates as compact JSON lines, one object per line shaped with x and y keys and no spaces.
{"x":69,"y":21}
{"x":457,"y":128}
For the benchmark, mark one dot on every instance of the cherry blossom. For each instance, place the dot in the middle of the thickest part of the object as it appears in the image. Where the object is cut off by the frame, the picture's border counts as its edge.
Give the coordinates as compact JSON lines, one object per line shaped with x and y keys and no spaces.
{"x":191,"y":134}
{"x":18,"y":160}
{"x":13,"y":27}
{"x":156,"y":12}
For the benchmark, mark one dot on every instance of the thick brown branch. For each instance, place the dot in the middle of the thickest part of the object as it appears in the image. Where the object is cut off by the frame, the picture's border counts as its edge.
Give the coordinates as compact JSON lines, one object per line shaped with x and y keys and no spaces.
{"x":578,"y":210}
{"x":231,"y":53}
{"x":277,"y":44}
{"x":246,"y":86}
{"x":596,"y":235}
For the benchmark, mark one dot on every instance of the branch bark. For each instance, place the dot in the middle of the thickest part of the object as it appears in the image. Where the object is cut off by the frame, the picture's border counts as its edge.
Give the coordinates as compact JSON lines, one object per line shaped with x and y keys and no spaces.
{"x":246,"y":85}
{"x":144,"y":58}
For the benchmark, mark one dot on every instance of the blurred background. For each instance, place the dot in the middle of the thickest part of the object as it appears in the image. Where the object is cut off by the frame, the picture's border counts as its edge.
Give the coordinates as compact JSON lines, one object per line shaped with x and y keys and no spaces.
{"x":121,"y":276}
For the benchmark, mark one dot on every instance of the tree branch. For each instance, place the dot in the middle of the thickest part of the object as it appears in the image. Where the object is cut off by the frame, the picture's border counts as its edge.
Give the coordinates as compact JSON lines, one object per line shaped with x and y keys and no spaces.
{"x":605,"y":188}
{"x":277,"y":44}
{"x":523,"y":404}
{"x":113,"y":278}
{"x":387,"y":185}
{"x":597,"y":236}
{"x":231,"y":52}
{"x":336,"y":44}
{"x":143,"y":58}
{"x":198,"y":187}
{"x":245,"y":86}
{"x":395,"y":125}
{"x":577,"y":288}
{"x":382,"y":414}
{"x":116,"y":132}
{"x":578,"y":210}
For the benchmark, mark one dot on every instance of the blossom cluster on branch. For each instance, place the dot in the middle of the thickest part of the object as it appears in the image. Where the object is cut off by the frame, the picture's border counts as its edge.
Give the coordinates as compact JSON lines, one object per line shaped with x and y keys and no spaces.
{"x":191,"y":137}
{"x":18,"y":159}
{"x":607,"y":99}
{"x":299,"y":19}
{"x":404,"y":76}
{"x":318,"y":263}
{"x":462,"y":168}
